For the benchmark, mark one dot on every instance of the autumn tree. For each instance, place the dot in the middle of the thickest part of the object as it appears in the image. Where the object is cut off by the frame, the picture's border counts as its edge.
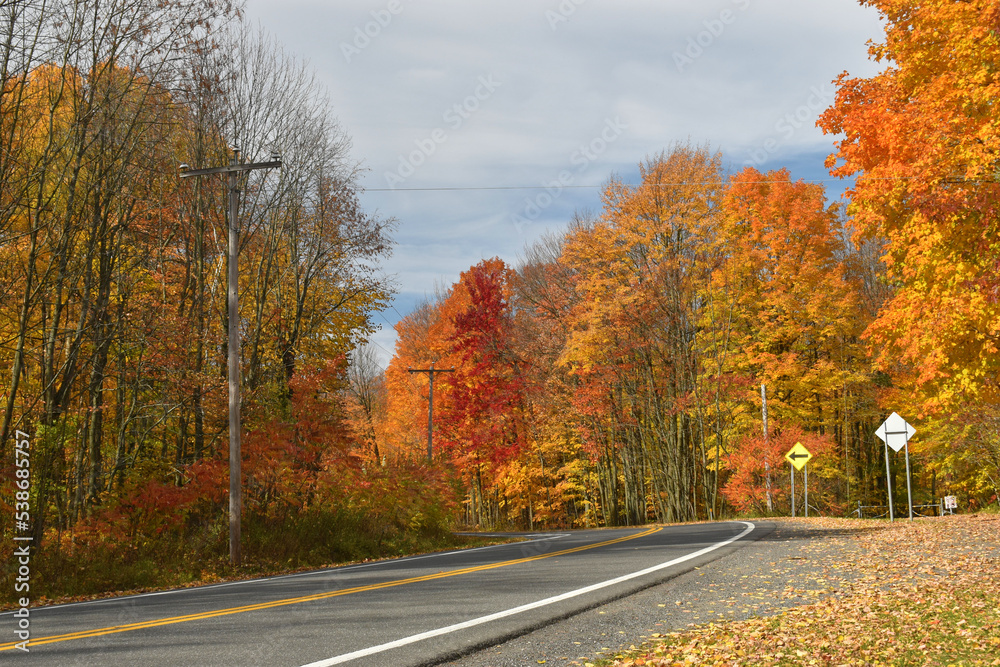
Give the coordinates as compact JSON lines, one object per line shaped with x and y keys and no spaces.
{"x":367,"y":398}
{"x":483,"y":425}
{"x":99,"y":122}
{"x":633,"y":343}
{"x":481,"y":421}
{"x":113,"y":317}
{"x":312,"y":251}
{"x":754,"y":457}
{"x":422,"y":337}
{"x":615,"y":377}
{"x":552,"y":481}
{"x":921,"y":141}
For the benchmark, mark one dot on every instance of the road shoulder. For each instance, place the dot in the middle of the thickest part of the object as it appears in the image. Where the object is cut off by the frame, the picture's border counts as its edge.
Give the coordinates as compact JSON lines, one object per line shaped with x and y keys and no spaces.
{"x":798,"y":556}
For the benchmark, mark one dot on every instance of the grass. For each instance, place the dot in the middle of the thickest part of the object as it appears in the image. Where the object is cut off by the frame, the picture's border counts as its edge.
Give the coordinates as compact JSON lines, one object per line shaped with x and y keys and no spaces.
{"x":103,"y":568}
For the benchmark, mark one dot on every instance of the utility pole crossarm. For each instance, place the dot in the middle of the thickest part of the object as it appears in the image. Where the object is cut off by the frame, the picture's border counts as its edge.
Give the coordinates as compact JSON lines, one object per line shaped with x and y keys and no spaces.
{"x":249,"y":166}
{"x":430,"y":402}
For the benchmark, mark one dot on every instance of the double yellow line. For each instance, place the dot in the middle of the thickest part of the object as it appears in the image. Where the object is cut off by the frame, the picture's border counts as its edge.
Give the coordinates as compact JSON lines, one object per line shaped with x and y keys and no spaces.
{"x":98,"y":632}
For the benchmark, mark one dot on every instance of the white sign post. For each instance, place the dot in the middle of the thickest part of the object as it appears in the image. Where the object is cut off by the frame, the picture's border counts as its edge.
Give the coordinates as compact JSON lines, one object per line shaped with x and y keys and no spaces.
{"x":896,"y":433}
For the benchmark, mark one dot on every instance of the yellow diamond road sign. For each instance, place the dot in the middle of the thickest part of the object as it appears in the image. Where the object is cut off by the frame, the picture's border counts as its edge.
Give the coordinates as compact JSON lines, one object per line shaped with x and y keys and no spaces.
{"x":798,"y":456}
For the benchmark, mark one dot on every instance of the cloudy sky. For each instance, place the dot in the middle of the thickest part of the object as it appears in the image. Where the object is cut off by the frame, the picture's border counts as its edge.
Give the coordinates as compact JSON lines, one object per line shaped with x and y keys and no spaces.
{"x":484,"y":124}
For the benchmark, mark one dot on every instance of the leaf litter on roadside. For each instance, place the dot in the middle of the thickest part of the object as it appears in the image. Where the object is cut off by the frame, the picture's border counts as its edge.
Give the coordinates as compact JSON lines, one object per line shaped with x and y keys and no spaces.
{"x":911,"y":593}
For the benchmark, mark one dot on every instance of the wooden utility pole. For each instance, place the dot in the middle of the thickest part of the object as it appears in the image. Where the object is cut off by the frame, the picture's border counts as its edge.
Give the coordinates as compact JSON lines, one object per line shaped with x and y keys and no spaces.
{"x":235,"y":456}
{"x":430,"y":403}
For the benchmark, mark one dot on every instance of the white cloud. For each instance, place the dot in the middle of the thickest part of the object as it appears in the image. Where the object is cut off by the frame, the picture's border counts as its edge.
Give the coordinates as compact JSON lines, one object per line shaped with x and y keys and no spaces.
{"x":559,"y":82}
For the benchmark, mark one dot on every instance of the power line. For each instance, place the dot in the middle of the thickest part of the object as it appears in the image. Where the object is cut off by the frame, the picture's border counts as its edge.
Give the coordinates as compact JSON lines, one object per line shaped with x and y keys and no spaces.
{"x":393,"y":306}
{"x":369,"y":341}
{"x":487,"y":188}
{"x":484,"y":187}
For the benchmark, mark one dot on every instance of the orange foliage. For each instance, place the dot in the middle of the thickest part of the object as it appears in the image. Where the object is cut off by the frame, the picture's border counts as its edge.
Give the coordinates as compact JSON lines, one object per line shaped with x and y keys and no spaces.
{"x":797,"y":315}
{"x":422,"y":338}
{"x":754,"y":458}
{"x":923,"y":141}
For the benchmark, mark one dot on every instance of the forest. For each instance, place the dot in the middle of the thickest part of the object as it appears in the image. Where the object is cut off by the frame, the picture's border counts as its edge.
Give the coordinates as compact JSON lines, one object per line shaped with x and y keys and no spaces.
{"x":616,"y":374}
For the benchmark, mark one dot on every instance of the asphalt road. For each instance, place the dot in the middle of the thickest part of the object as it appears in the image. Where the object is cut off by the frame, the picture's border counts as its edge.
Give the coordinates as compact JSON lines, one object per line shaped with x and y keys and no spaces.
{"x":410,"y":611}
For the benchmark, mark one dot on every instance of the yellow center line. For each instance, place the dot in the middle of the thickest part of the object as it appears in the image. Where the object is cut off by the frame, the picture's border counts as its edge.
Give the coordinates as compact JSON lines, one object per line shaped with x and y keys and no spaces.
{"x":98,"y":632}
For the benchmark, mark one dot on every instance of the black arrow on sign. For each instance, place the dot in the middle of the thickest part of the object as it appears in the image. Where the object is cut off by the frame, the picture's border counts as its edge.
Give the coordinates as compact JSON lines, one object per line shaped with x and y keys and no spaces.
{"x":798,"y":456}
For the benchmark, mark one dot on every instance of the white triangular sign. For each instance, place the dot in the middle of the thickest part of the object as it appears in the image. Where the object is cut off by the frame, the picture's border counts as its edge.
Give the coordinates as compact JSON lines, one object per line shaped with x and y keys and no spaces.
{"x":895,"y":432}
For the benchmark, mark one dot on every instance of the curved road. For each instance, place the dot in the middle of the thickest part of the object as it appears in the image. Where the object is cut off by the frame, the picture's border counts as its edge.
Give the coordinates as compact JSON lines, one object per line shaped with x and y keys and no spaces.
{"x":409,"y":611}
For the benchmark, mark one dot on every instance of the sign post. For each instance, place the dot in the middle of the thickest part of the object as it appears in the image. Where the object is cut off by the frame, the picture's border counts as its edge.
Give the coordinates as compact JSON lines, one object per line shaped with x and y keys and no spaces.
{"x":896,"y":433}
{"x":888,"y":480}
{"x":791,"y":473}
{"x":799,"y":456}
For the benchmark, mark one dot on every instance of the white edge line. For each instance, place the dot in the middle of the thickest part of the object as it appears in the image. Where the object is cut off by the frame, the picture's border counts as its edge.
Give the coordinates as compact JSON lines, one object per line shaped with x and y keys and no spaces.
{"x":336,"y":660}
{"x":312,"y":573}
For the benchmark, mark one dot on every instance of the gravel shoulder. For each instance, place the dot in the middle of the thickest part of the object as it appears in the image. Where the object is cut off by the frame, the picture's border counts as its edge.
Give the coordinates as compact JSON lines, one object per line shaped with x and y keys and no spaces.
{"x":793,"y":562}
